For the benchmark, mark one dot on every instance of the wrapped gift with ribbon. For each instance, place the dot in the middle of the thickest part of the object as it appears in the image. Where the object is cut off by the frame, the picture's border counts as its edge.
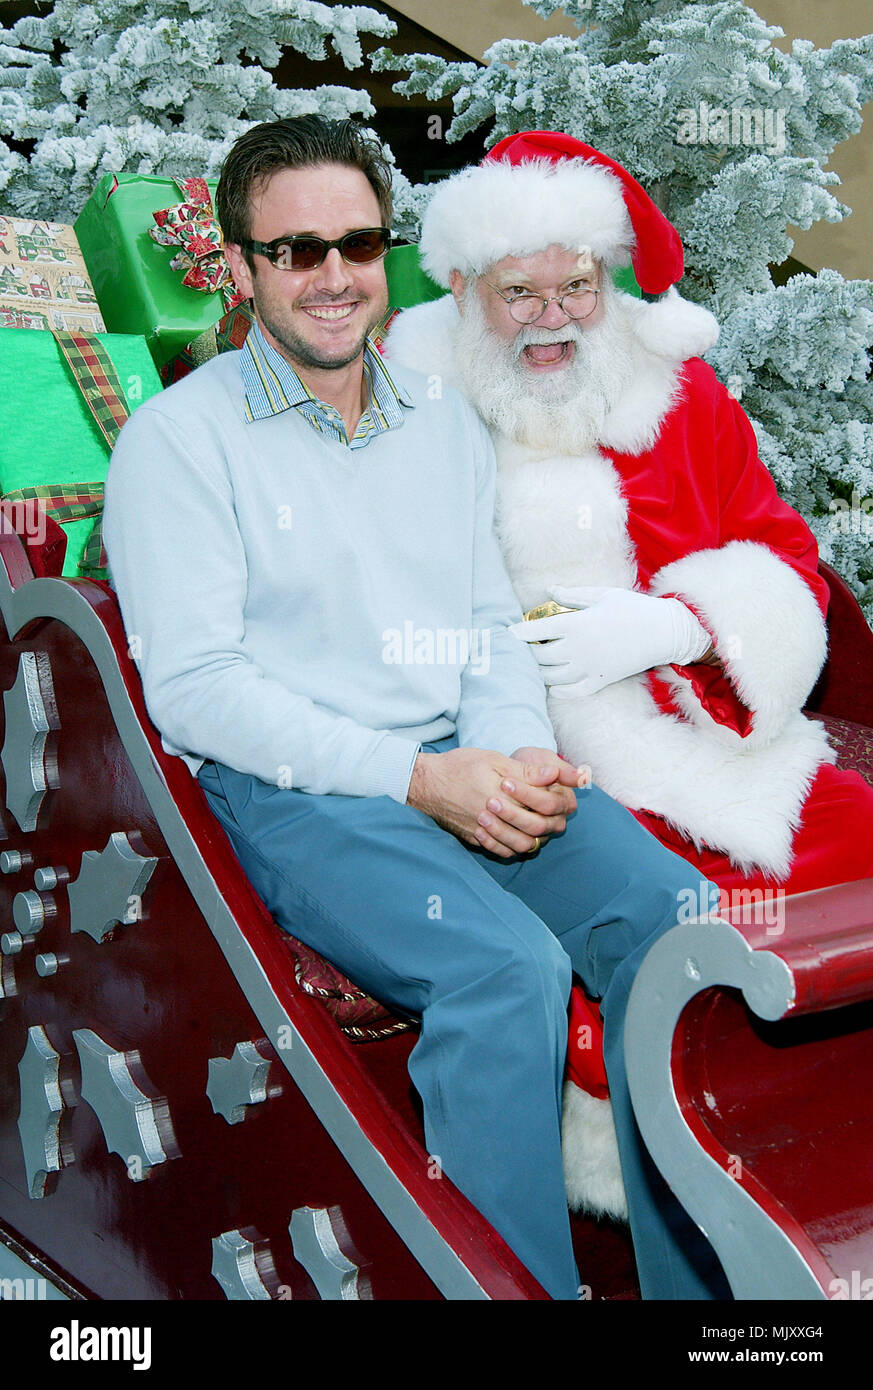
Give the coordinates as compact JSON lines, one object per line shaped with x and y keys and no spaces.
{"x":168,"y":287}
{"x":43,"y":280}
{"x":63,"y":399}
{"x":192,"y":228}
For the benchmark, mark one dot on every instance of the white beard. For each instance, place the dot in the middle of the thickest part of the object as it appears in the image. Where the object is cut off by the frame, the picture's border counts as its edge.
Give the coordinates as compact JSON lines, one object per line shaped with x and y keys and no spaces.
{"x":563,"y":411}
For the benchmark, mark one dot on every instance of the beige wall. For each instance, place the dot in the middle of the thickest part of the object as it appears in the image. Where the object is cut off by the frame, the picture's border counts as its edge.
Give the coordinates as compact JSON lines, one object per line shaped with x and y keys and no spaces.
{"x":472,"y":25}
{"x":846,"y":246}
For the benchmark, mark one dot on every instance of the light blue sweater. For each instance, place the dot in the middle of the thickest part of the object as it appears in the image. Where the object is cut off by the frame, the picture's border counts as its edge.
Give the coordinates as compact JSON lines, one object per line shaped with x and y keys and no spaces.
{"x":308,"y":613}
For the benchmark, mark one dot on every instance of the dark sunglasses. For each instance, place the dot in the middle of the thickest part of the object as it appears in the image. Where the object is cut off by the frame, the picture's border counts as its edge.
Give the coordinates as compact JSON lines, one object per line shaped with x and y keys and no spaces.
{"x":305,"y":252}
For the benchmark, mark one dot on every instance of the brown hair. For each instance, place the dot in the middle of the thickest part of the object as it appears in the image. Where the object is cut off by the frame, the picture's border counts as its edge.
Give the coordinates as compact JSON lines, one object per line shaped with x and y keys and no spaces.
{"x":295,"y":142}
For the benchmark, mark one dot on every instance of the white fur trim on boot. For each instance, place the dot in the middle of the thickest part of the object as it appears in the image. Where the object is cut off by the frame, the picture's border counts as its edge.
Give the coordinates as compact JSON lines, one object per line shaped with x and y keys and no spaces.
{"x":592,"y":1167}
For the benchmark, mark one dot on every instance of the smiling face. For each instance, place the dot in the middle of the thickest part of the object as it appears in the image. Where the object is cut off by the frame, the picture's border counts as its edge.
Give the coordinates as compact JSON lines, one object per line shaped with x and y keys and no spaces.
{"x":318,"y":319}
{"x":547,"y":345}
{"x":552,"y":384}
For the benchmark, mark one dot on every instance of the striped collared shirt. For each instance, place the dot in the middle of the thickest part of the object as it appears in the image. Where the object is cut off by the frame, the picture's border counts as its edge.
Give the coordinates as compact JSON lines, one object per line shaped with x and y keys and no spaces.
{"x":272,"y":385}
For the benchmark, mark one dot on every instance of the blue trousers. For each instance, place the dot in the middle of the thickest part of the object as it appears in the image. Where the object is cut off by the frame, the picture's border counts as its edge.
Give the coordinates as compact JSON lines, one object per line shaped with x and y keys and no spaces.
{"x":483,"y":949}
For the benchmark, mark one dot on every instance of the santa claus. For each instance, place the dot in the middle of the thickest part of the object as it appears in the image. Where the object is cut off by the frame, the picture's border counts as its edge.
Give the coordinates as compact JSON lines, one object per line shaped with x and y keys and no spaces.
{"x":631,"y":496}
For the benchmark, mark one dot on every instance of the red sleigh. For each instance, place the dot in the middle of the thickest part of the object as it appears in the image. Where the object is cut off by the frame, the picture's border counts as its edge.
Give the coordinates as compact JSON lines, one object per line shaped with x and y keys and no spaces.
{"x":183,"y":1117}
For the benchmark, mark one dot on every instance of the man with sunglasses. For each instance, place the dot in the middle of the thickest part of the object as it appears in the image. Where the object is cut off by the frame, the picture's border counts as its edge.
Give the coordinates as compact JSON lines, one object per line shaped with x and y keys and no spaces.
{"x":323,"y":617}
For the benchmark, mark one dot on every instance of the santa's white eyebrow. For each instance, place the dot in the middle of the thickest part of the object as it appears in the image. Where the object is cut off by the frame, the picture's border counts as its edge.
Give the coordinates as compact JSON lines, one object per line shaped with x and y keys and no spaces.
{"x":506,"y":281}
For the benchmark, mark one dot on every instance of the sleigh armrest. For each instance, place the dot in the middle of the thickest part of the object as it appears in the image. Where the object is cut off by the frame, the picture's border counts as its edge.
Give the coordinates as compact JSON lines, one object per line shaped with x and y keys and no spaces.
{"x":749,"y":1045}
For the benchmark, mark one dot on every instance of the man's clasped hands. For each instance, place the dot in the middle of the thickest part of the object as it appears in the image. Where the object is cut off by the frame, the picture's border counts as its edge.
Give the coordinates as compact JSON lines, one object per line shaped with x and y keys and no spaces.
{"x":506,"y":805}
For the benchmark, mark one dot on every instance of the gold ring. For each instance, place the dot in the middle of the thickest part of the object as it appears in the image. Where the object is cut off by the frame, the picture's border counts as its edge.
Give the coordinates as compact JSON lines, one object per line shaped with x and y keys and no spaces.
{"x":537,"y":843}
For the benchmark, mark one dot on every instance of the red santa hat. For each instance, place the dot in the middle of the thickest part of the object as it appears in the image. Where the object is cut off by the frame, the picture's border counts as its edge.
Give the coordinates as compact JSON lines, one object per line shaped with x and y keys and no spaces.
{"x":541,"y":189}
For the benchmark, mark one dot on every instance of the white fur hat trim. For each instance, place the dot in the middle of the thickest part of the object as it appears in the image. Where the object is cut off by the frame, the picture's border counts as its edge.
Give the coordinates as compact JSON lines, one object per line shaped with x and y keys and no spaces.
{"x":498,"y":209}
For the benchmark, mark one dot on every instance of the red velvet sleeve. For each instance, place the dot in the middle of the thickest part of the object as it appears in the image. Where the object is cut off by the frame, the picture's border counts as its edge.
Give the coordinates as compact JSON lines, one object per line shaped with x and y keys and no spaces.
{"x":749,"y":509}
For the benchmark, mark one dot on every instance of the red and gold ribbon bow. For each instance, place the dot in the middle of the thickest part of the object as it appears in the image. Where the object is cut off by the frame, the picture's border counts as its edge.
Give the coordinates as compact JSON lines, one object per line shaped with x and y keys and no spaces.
{"x":191,"y":226}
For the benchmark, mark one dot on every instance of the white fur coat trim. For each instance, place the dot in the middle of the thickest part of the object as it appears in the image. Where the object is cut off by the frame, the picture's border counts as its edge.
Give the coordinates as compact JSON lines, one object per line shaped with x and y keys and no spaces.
{"x":561,"y":520}
{"x":768,"y":631}
{"x":421,"y":338}
{"x":746,"y":803}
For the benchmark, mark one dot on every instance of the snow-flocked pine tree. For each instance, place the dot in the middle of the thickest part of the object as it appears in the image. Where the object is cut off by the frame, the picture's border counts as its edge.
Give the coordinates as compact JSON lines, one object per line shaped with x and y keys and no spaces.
{"x":157,"y":87}
{"x":729,"y":134}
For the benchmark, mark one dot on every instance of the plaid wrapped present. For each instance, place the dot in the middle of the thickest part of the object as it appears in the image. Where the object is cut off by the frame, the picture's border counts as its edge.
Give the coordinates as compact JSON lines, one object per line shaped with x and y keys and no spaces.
{"x":227,"y":334}
{"x":75,"y":502}
{"x":65,"y":396}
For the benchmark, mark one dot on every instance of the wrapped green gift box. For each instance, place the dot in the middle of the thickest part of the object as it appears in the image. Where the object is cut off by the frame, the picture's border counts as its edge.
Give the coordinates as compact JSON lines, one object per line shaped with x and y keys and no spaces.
{"x":407,"y":282}
{"x":135,"y":287}
{"x":48,"y":436}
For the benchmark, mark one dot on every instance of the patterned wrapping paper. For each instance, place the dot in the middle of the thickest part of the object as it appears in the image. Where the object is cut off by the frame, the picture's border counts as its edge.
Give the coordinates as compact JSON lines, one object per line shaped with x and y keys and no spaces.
{"x":43,"y":280}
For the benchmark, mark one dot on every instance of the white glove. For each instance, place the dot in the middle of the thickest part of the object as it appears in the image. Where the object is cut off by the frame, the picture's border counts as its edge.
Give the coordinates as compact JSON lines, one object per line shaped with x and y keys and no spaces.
{"x":617,"y":633}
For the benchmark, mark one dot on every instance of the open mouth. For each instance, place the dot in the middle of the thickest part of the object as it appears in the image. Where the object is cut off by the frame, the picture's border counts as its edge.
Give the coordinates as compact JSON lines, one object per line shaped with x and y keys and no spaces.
{"x":543,"y":355}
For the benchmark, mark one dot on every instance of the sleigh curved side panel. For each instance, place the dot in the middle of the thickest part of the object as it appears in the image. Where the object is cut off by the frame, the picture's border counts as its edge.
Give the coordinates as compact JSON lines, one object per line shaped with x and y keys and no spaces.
{"x":750,"y":1063}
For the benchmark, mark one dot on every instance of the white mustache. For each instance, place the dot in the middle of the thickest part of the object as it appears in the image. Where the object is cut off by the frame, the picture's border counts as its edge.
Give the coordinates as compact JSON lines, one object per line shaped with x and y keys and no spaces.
{"x":543,"y":337}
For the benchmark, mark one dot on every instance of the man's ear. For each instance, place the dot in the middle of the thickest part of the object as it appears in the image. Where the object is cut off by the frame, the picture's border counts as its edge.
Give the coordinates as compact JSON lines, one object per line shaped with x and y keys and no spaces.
{"x":239,"y":269}
{"x":458,"y":285}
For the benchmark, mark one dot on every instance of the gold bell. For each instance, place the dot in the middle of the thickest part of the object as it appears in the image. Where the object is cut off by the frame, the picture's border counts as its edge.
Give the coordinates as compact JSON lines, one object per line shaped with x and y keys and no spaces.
{"x":545,"y":610}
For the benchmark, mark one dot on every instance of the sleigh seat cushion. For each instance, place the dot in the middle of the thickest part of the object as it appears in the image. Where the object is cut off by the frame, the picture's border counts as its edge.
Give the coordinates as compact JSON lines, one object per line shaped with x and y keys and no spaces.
{"x":360,"y":1017}
{"x":853,"y":744}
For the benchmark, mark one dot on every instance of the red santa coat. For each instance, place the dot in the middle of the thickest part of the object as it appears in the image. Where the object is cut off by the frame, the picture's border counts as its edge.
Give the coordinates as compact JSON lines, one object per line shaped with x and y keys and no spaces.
{"x":674,"y":501}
